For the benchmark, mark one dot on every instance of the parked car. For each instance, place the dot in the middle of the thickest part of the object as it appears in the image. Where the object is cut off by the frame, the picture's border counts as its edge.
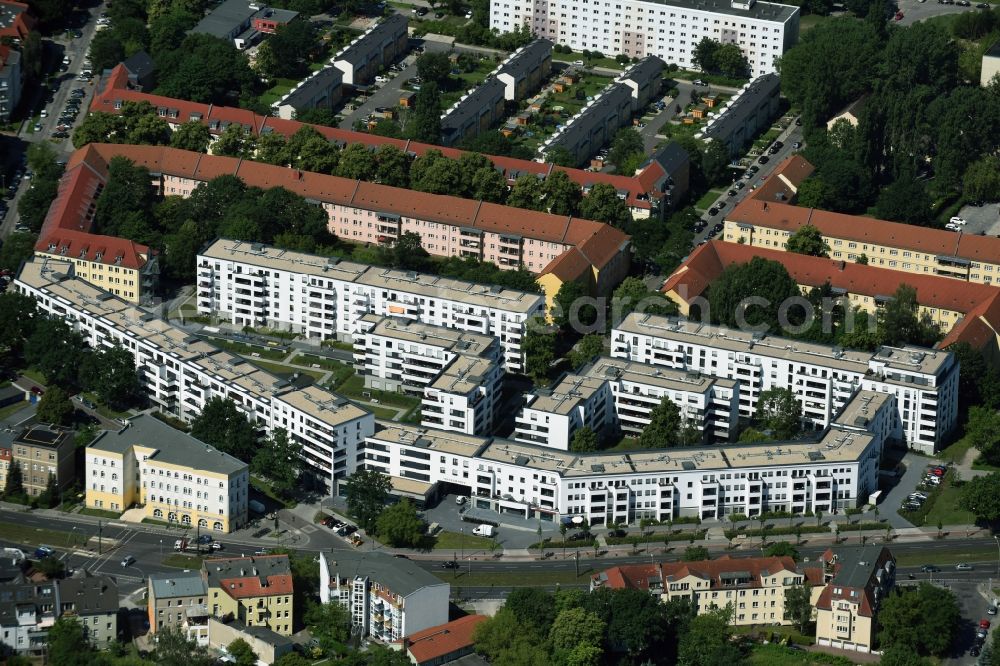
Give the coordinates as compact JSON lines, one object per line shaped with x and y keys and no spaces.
{"x":128,"y":561}
{"x":449,"y":564}
{"x":617,"y":534}
{"x":43,"y":551}
{"x":930,"y":568}
{"x":579,"y":536}
{"x":713,"y":211}
{"x":992,"y":609}
{"x":957,"y":220}
{"x":763,"y":159}
{"x":732,"y":192}
{"x":204,"y":539}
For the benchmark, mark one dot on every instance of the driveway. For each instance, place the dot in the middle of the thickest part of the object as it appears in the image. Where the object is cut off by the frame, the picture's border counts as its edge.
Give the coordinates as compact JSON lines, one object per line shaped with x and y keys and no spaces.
{"x":981,"y":220}
{"x":893,"y":496}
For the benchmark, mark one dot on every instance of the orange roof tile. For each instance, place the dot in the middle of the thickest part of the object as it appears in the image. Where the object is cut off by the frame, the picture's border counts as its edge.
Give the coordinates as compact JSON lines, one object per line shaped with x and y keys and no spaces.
{"x":568,"y":266}
{"x":638,"y":576}
{"x":251,"y":586}
{"x":443,"y":640}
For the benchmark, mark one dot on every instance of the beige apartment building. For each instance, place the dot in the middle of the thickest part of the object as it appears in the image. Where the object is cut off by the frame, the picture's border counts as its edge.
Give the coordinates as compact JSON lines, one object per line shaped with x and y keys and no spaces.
{"x":754,"y":587}
{"x":857,"y":580}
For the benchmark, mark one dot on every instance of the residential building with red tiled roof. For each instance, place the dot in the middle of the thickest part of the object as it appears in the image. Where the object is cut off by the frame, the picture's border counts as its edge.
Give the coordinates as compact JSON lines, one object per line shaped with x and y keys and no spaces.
{"x":660,"y":180}
{"x":257,"y":591}
{"x":446,"y":642}
{"x":766,"y":222}
{"x":15,"y":21}
{"x":121,"y":266}
{"x":966,"y":312}
{"x":857,"y":579}
{"x":755,"y":587}
{"x":362,"y":212}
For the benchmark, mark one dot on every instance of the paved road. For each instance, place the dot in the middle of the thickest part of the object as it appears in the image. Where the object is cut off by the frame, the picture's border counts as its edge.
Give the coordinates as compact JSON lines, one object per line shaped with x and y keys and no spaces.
{"x":914,"y":10}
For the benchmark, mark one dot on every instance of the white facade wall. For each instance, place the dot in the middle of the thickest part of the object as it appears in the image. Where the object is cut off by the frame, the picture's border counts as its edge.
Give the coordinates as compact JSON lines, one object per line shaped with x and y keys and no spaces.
{"x":324,"y":307}
{"x":181,"y":373}
{"x":822,"y":379}
{"x":670,"y":30}
{"x":552,"y":419}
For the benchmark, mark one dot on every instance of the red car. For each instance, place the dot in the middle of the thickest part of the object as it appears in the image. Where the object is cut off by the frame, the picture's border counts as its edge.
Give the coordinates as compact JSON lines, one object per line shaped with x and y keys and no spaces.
{"x":899,"y":16}
{"x":984,"y":624}
{"x":938,"y":471}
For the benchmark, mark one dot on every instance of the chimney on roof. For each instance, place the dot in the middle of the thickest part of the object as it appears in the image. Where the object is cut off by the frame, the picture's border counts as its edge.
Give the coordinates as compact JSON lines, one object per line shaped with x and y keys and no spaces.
{"x":841,"y":265}
{"x":765,"y":205}
{"x":298,"y":174}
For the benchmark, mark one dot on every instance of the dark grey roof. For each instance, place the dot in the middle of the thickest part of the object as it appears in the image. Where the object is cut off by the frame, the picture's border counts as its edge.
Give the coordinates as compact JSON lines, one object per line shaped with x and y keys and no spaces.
{"x":524,"y":60}
{"x":225,"y":18}
{"x":185,"y":584}
{"x":468,"y":110}
{"x":8,"y":13}
{"x":370,"y":45}
{"x":760,"y":10}
{"x":324,"y":80}
{"x":856,"y":565}
{"x":671,"y":157}
{"x":140,"y":65}
{"x":993,"y":51}
{"x":742,"y":107}
{"x":584,"y":124}
{"x":260,"y":632}
{"x":43,"y":435}
{"x":646,"y":70}
{"x":261,"y":567}
{"x":23,"y":593}
{"x":172,"y":445}
{"x":90,"y":595}
{"x":403,"y":577}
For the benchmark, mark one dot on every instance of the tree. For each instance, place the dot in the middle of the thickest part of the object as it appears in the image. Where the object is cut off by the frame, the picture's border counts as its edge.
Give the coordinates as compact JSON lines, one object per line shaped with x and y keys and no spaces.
{"x":573,"y":627}
{"x":174,"y":648}
{"x":434,"y":66}
{"x":292,"y":659}
{"x":638,"y":624}
{"x":55,"y":350}
{"x":367,"y":491}
{"x":52,"y":567}
{"x":118,"y":385}
{"x":290,"y":45}
{"x":17,"y":248}
{"x":627,"y":142}
{"x":235,"y":142}
{"x":925,"y":618}
{"x":330,"y":624}
{"x":781,"y":549}
{"x":906,"y":200}
{"x":807,"y":239}
{"x":562,"y":195}
{"x":425,"y":122}
{"x":400,"y":525}
{"x":586,"y":349}
{"x":204,"y":69}
{"x":584,"y":441}
{"x":55,"y":407}
{"x":899,"y":322}
{"x":779,"y":411}
{"x":731,"y":62}
{"x":526,"y":193}
{"x":507,"y":642}
{"x":633,"y":295}
{"x":317,"y":116}
{"x":604,"y":205}
{"x":707,"y":641}
{"x":897,"y":655}
{"x":696,"y":554}
{"x":560,"y":156}
{"x":533,"y":607}
{"x":982,"y":178}
{"x":356,"y":162}
{"x":981,"y":496}
{"x":437,"y":174}
{"x":715,"y":163}
{"x":392,"y":166}
{"x":729,"y":296}
{"x":34,"y":204}
{"x":797,"y":606}
{"x":377,"y":655}
{"x":192,"y":135}
{"x":68,"y":644}
{"x":14,"y":485}
{"x":106,"y":50}
{"x":242,"y":653}
{"x":572,"y":307}
{"x":703,"y":55}
{"x":221,"y":424}
{"x":488,"y":184}
{"x":539,"y":349}
{"x":126,"y":202}
{"x":664,"y":429}
{"x":278,"y":460}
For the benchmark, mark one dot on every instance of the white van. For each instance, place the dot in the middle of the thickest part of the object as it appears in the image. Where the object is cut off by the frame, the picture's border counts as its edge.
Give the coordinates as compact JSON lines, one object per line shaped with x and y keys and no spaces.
{"x":484,"y":530}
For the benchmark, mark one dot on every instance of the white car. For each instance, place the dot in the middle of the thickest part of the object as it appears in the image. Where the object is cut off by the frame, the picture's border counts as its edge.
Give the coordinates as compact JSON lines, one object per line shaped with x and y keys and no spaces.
{"x":578,"y":63}
{"x":44,"y":113}
{"x":952,"y":227}
{"x":957,"y":220}
{"x":381,"y":79}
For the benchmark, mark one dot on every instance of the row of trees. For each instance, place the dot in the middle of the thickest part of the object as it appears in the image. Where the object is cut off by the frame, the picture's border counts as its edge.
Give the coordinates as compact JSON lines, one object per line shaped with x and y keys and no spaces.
{"x":922,"y":117}
{"x":712,"y":57}
{"x":761,"y":293}
{"x":398,"y":524}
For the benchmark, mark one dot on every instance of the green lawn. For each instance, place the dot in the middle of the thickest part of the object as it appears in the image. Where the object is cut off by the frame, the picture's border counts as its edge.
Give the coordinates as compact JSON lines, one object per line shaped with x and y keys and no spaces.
{"x":183,"y":561}
{"x":35,"y":376}
{"x":708,"y":199}
{"x":779,"y":655}
{"x":457,"y":540}
{"x":355,"y":388}
{"x":264,"y":487}
{"x":277,"y":91}
{"x":946,"y":509}
{"x":252,"y":351}
{"x":811,"y":21}
{"x":385,"y":413}
{"x":100,"y":513}
{"x":609,"y":63}
{"x":956,"y":451}
{"x":287,"y":370}
{"x":34,"y":536}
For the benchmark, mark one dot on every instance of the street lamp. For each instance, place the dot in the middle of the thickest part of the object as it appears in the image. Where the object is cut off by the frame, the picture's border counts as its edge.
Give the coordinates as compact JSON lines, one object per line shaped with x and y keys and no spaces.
{"x":997,"y":539}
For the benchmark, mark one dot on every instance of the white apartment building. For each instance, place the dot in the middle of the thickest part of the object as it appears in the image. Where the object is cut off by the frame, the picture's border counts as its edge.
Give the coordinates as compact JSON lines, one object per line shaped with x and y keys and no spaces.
{"x":181,"y":373}
{"x":837,"y":471}
{"x":257,"y":285}
{"x":552,"y":416}
{"x":618,"y":393}
{"x":823,"y":378}
{"x":669,"y":29}
{"x":457,"y":374}
{"x":387,"y":597}
{"x":176,"y":478}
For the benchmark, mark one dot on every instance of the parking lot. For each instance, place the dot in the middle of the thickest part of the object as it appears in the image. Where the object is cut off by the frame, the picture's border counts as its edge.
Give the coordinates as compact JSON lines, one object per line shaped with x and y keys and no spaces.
{"x":981,"y":220}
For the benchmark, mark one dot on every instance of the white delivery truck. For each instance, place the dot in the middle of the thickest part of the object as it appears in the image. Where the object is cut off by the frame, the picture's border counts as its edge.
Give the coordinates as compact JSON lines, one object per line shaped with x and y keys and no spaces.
{"x":484,"y":530}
